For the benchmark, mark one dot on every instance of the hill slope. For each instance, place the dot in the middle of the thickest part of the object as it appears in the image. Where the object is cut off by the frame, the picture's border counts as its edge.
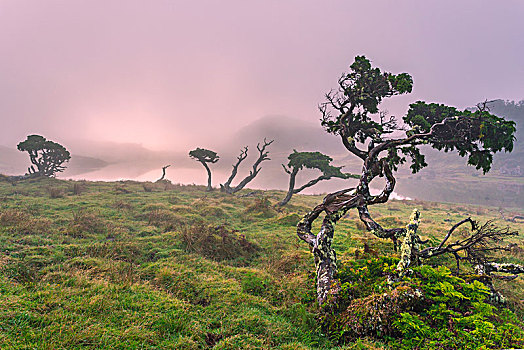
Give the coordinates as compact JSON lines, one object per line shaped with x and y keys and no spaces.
{"x":140,"y":265}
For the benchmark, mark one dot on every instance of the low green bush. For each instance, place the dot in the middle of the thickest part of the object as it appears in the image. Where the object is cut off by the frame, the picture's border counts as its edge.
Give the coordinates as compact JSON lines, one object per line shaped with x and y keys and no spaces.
{"x":431,"y":309}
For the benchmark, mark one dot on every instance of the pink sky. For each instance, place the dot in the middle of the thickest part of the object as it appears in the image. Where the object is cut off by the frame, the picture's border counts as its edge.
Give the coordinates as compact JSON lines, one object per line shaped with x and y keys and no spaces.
{"x":169,"y":73}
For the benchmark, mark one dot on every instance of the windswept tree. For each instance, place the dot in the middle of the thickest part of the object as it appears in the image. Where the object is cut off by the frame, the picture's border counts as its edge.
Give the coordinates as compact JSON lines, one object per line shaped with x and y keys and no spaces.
{"x":352,"y":113}
{"x":205,"y":156}
{"x":163,"y":172}
{"x":46,"y":156}
{"x":310,"y":160}
{"x":262,"y":156}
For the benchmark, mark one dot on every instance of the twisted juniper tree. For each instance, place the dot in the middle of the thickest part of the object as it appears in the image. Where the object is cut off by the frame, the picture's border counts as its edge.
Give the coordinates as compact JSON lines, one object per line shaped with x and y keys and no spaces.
{"x":310,"y":160}
{"x":47,"y":156}
{"x":262,"y":156}
{"x":205,"y":156}
{"x":352,"y":113}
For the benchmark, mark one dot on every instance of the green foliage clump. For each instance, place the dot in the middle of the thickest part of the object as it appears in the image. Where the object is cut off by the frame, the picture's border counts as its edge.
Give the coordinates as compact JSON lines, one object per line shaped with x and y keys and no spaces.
{"x":351,"y":112}
{"x":456,"y":315}
{"x":475,"y":134}
{"x":204,"y":155}
{"x":428,"y":310}
{"x":314,"y":160}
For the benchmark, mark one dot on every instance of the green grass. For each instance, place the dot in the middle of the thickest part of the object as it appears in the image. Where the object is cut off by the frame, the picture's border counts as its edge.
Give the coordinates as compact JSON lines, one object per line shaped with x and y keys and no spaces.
{"x":126,"y":266}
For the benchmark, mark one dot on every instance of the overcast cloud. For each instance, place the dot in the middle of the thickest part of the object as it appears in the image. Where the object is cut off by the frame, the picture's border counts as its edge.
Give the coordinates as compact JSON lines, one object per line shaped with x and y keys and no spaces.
{"x":167,"y":74}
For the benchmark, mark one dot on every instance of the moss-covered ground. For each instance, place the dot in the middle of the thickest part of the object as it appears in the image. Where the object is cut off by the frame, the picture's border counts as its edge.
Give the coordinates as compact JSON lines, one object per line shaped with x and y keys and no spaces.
{"x":129,"y":265}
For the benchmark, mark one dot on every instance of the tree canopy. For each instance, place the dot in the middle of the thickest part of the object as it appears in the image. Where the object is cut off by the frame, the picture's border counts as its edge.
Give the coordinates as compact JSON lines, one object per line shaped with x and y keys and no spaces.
{"x":352,"y":112}
{"x":204,"y":155}
{"x":47,"y":156}
{"x":310,"y":160}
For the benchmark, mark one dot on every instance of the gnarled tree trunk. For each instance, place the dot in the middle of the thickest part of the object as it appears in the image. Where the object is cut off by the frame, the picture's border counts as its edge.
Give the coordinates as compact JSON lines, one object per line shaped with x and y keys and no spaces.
{"x":163,"y":173}
{"x":209,"y":187}
{"x":263,"y":155}
{"x":291,"y":188}
{"x":335,"y":206}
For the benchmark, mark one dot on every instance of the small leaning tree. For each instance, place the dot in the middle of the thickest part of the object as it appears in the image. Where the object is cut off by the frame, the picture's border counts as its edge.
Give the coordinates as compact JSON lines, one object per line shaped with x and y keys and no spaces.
{"x":46,"y":156}
{"x":262,"y":156}
{"x":352,"y":113}
{"x":163,"y":173}
{"x":205,"y":156}
{"x":310,"y":160}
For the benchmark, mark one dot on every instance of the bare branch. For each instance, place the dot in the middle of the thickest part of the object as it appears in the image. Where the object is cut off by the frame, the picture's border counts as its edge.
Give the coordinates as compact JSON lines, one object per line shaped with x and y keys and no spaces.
{"x":226,"y":187}
{"x":163,"y":172}
{"x":263,"y":155}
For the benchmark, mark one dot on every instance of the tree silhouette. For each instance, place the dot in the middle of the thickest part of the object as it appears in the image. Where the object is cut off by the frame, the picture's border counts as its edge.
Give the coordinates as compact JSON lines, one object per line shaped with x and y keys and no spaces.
{"x":310,"y":160}
{"x":163,"y":173}
{"x":47,"y":156}
{"x":262,"y":156}
{"x":352,"y":112}
{"x":205,"y":156}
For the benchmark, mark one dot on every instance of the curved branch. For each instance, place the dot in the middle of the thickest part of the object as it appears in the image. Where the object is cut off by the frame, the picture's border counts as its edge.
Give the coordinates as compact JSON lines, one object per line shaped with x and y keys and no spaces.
{"x":376,"y":229}
{"x":388,"y":188}
{"x":262,"y":156}
{"x":226,"y":187}
{"x":163,"y":172}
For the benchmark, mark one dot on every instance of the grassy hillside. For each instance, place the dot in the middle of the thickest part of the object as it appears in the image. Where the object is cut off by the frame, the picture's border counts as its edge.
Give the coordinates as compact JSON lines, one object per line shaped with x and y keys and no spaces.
{"x":129,"y":265}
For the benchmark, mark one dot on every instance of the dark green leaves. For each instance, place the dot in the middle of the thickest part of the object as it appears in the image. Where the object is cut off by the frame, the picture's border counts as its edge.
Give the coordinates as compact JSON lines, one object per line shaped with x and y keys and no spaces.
{"x":477,"y":135}
{"x":360,"y":92}
{"x":204,"y":155}
{"x":314,"y":160}
{"x":47,"y":156}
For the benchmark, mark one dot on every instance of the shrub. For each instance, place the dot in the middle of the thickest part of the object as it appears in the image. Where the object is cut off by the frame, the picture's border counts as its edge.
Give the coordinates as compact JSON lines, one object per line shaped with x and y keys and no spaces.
{"x":261,"y":208}
{"x":21,"y":222}
{"x":431,"y":309}
{"x":217,"y":243}
{"x":78,"y":188}
{"x":55,"y":192}
{"x":86,"y":221}
{"x":148,"y":187}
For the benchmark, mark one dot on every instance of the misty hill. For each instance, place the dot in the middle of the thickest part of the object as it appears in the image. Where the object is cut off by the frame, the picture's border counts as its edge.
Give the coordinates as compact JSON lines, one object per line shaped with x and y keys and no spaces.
{"x":14,"y":162}
{"x":289,"y":133}
{"x":511,"y":163}
{"x":447,"y":178}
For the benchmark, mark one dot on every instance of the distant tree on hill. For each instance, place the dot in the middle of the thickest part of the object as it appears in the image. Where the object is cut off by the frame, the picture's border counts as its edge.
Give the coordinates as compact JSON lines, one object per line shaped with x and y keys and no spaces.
{"x":163,"y":173}
{"x":262,"y":156}
{"x":310,"y":160}
{"x":352,"y":112}
{"x":47,"y":156}
{"x":205,"y":156}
